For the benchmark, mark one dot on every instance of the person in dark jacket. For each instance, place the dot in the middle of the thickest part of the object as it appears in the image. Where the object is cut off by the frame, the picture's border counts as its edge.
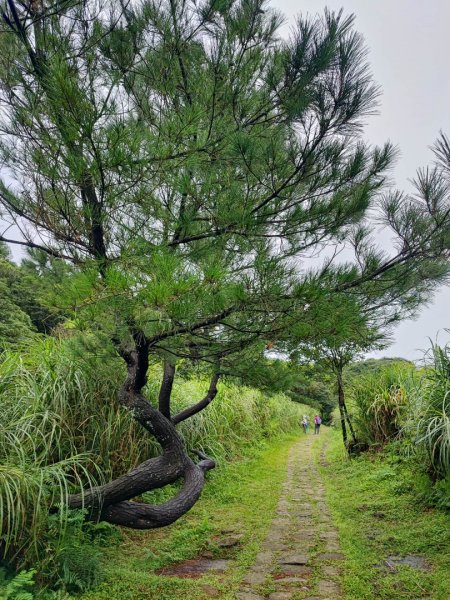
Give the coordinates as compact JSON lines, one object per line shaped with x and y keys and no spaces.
{"x":317,"y":424}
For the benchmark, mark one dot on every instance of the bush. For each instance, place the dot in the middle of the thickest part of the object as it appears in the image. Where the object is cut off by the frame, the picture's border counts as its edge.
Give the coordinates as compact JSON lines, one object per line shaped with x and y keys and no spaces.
{"x":409,"y":410}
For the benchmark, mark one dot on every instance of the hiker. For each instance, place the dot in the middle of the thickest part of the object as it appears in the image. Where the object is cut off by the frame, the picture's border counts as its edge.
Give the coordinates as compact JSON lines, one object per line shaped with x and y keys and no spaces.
{"x":305,"y":424}
{"x":317,"y":423}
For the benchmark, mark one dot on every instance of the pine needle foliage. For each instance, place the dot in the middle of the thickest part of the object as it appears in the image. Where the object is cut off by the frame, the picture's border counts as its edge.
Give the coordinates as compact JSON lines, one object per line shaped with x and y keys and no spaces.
{"x":185,"y":158}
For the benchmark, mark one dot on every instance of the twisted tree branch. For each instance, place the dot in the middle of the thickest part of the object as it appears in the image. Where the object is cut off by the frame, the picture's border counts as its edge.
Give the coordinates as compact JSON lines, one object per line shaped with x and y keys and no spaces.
{"x":196,"y":408}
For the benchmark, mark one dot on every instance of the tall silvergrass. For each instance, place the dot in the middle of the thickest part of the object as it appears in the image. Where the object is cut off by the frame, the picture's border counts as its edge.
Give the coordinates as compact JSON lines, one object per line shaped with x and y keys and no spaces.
{"x":378,"y":402}
{"x":41,"y":462}
{"x":61,"y":428}
{"x":432,"y":413}
{"x":239,"y":416}
{"x":412,"y":407}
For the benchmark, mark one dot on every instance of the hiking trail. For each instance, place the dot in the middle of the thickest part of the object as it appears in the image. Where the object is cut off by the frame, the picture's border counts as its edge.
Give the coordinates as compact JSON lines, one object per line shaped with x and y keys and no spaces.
{"x":300,"y":558}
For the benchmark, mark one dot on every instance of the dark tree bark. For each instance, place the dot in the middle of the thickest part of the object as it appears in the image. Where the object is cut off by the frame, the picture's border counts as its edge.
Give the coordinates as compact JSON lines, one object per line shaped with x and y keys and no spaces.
{"x":342,"y":413}
{"x":345,"y":417}
{"x":196,"y":408}
{"x":350,"y":424}
{"x":166,"y":388}
{"x":144,"y":516}
{"x":111,"y":502}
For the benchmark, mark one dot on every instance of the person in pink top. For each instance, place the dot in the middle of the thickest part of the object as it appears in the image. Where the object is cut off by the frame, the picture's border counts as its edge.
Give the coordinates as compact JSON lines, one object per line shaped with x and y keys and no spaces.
{"x":317,"y":423}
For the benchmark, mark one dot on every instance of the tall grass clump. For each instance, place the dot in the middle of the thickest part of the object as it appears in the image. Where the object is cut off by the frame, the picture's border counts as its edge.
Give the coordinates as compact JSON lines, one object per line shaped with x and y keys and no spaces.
{"x":431,"y":414}
{"x":239,"y":416}
{"x":43,"y":457}
{"x":62,"y":429}
{"x":407,"y":410}
{"x":55,"y":399}
{"x":378,"y":402}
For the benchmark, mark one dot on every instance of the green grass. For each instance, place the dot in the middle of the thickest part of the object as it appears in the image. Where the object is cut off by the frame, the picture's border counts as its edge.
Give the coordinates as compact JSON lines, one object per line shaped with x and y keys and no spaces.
{"x":376,"y":509}
{"x":239,"y":497}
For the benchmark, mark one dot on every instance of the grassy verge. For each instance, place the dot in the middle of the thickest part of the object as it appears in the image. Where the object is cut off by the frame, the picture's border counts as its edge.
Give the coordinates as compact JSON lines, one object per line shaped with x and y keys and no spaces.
{"x":378,"y":515}
{"x":239,"y":498}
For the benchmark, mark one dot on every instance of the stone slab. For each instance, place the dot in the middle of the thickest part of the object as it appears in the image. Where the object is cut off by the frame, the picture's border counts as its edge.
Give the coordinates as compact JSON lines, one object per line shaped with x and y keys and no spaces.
{"x":294,"y":559}
{"x":330,"y":556}
{"x":255,"y":578}
{"x":329,"y":588}
{"x":301,"y":570}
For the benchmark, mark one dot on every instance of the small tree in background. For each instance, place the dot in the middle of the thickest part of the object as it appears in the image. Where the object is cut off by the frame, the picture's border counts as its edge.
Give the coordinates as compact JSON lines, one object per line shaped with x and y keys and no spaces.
{"x":25,"y":305}
{"x":347,"y":326}
{"x":344,"y":334}
{"x":15,"y":323}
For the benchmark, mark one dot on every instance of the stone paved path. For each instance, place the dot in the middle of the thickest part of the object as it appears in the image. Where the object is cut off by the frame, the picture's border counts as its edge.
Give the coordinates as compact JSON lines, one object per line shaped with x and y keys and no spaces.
{"x":300,"y":558}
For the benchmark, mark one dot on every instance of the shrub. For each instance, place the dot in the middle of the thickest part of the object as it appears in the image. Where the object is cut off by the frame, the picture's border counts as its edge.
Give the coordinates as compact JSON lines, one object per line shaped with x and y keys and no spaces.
{"x":412,"y":408}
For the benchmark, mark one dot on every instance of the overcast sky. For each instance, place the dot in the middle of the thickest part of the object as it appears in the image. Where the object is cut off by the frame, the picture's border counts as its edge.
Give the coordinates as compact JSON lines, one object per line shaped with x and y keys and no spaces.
{"x":409,"y":44}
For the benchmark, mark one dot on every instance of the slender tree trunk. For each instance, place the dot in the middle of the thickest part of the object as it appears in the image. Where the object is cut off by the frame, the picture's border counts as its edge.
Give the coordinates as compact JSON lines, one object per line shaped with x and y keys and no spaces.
{"x":341,"y":409}
{"x":345,"y":417}
{"x":349,"y":421}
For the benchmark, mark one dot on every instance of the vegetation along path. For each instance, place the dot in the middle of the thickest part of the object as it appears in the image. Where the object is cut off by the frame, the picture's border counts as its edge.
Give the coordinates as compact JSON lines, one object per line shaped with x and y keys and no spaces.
{"x":300,"y":557}
{"x":263,"y":531}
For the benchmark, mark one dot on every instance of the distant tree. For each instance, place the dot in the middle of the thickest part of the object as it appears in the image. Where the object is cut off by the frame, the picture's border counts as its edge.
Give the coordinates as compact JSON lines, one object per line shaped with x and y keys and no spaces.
{"x":15,"y":323}
{"x":308,"y":384}
{"x":37,"y":292}
{"x":318,"y":388}
{"x":27,"y":299}
{"x":351,"y":326}
{"x":344,"y":334}
{"x":338,"y":358}
{"x":186,"y":160}
{"x":368,"y":366}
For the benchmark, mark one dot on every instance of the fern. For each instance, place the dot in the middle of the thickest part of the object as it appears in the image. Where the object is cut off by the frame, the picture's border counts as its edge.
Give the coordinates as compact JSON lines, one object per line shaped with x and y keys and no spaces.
{"x":17,"y":588}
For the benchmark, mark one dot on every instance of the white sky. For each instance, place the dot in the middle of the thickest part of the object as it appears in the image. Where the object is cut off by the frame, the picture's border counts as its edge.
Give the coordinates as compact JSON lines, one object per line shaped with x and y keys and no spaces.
{"x":409,"y":45}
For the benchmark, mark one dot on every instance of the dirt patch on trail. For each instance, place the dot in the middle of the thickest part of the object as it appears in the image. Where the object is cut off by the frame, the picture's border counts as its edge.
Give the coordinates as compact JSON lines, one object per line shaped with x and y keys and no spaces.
{"x":216,"y":558}
{"x":194,"y":568}
{"x":410,"y":560}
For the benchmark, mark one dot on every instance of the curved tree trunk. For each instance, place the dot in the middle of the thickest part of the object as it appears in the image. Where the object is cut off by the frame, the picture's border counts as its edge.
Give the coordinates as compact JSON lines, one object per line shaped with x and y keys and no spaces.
{"x":139,"y":515}
{"x":111,"y":502}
